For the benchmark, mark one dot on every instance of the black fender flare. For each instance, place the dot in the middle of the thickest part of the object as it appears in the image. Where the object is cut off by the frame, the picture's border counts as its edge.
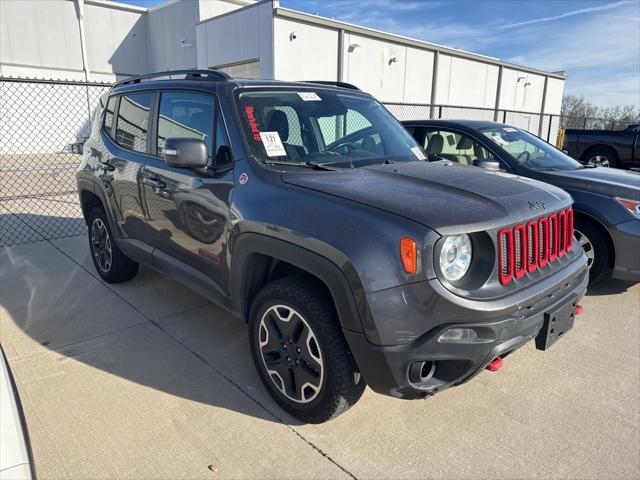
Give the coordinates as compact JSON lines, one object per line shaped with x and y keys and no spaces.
{"x":351,"y":313}
{"x":86,"y":185}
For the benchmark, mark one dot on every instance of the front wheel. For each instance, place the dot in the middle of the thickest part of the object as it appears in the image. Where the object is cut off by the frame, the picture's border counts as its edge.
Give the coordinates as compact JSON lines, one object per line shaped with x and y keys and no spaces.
{"x":300,"y":352}
{"x":596,"y":248}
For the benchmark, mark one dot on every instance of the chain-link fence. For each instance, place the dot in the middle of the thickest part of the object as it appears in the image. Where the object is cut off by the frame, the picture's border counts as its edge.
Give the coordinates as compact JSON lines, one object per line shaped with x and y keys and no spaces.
{"x":544,"y":125}
{"x":594,"y":123}
{"x":43,"y":125}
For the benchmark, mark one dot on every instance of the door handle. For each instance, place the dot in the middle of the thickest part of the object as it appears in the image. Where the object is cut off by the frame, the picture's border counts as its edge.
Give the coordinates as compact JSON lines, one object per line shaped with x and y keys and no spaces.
{"x":155,"y":183}
{"x":107,"y":166}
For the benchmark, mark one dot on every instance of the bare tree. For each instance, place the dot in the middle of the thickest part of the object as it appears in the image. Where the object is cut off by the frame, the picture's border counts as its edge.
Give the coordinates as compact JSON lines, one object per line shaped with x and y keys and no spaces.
{"x":577,"y":112}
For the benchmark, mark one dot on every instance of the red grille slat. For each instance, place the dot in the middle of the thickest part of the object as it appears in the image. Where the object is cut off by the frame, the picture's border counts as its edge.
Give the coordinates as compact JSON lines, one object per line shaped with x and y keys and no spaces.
{"x":525,"y":248}
{"x":569,"y":231}
{"x":562,"y":236}
{"x":519,"y":251}
{"x":553,"y":237}
{"x":505,"y":256}
{"x":532,"y":246}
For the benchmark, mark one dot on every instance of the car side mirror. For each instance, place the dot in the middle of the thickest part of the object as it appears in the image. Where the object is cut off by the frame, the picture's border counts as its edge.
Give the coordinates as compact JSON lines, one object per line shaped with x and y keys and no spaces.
{"x":185,"y":153}
{"x":488,"y":164}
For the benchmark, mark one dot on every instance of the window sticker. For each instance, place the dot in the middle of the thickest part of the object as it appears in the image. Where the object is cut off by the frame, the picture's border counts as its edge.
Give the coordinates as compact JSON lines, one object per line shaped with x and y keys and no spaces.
{"x":253,"y":122}
{"x":509,"y":129}
{"x":272,"y":144}
{"x":418,"y":153}
{"x":309,"y":96}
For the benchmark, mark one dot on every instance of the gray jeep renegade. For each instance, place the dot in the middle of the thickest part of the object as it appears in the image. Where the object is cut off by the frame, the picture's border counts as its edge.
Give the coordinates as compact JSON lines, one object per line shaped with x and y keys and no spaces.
{"x":307,"y":211}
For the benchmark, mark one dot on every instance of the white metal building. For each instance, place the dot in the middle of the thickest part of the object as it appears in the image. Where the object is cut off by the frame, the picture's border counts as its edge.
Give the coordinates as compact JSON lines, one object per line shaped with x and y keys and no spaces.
{"x":102,"y":40}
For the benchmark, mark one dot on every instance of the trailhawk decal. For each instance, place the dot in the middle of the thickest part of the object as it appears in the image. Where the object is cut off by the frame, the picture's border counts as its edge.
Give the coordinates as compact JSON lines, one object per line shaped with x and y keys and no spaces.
{"x":253,"y":122}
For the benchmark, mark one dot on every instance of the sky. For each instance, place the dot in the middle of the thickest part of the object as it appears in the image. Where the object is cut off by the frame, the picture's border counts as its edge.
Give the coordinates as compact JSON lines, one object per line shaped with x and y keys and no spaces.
{"x":597,"y":43}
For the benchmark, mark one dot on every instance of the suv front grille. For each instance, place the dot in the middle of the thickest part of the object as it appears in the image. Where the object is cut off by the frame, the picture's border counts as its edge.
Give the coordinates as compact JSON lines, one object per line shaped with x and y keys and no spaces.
{"x":524,"y":248}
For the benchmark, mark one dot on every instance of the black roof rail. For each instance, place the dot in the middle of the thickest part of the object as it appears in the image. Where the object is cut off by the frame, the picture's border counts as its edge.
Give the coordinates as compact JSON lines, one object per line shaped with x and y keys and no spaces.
{"x":332,"y":83}
{"x":213,"y":74}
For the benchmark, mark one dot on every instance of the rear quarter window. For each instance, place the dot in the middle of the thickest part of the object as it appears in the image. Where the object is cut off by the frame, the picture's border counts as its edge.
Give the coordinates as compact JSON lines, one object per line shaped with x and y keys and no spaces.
{"x":108,"y":115}
{"x":133,"y":121}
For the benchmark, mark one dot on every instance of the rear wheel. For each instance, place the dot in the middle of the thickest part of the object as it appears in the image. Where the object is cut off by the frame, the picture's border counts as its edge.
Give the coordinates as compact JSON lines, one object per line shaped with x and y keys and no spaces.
{"x":112,"y":265}
{"x":595,"y":246}
{"x":300,"y":352}
{"x":601,"y":157}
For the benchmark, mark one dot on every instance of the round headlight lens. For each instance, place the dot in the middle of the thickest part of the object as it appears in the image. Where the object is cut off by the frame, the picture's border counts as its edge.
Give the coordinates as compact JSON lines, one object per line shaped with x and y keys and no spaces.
{"x":455,"y":257}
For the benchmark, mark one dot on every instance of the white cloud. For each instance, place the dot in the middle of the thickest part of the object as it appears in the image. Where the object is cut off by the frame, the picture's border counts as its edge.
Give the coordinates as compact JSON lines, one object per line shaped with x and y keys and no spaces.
{"x":581,"y":11}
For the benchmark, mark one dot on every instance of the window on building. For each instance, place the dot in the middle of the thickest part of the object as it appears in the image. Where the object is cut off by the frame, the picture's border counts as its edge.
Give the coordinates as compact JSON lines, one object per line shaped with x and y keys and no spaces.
{"x":249,"y":69}
{"x":133,"y":121}
{"x":108,"y":114}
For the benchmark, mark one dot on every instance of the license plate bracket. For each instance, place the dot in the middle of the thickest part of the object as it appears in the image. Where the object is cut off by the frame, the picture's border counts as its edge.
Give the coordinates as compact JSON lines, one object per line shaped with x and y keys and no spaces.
{"x":556,"y":324}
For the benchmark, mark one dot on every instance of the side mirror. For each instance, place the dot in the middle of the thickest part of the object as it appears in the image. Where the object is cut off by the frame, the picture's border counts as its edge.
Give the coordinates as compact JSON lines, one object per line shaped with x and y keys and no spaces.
{"x":488,"y":164}
{"x":185,"y":153}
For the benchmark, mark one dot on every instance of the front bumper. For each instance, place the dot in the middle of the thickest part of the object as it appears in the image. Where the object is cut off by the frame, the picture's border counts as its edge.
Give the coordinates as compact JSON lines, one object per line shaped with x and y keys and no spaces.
{"x":387,"y":368}
{"x":626,"y":240}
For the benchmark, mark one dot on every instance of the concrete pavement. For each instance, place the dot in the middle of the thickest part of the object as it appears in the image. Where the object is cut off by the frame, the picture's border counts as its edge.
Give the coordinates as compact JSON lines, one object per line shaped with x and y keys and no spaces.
{"x":148,"y":379}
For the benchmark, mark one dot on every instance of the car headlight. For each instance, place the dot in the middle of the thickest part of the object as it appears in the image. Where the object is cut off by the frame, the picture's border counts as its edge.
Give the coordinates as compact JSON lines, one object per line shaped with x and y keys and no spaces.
{"x":455,"y":257}
{"x":632,"y":206}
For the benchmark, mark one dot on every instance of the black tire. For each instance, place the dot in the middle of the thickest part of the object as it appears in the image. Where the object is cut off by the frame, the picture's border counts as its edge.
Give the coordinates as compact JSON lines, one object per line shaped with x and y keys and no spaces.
{"x":120,"y":268}
{"x":339,"y":382}
{"x":601,"y":156}
{"x":594,"y":243}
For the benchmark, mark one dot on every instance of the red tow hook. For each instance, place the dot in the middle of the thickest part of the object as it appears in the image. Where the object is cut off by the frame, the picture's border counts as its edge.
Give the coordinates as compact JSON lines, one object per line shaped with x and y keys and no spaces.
{"x":495,"y":364}
{"x":579,"y":309}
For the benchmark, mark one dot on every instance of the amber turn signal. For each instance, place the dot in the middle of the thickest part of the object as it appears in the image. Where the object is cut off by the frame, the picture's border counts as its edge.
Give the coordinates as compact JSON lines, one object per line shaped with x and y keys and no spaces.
{"x":409,"y":255}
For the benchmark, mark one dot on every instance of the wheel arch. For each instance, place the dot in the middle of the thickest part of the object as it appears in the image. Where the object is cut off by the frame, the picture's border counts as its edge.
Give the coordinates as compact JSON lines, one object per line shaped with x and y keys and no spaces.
{"x":603,"y":230}
{"x":599,"y":146}
{"x":259,"y":259}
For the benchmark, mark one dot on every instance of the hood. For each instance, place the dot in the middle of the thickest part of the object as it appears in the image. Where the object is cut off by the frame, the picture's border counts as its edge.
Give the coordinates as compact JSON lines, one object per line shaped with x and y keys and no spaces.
{"x":444,"y":196}
{"x":609,"y":182}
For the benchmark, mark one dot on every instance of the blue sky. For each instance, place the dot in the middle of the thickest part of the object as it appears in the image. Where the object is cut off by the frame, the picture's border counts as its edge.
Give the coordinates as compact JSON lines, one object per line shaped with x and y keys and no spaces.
{"x":596,"y":42}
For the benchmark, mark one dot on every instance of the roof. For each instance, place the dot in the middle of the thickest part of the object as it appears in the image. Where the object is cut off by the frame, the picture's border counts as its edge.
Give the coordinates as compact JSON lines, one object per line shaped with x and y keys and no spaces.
{"x":155,"y":81}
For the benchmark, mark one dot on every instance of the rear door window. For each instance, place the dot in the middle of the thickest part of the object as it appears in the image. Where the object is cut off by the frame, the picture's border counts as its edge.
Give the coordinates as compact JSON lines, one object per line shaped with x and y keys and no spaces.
{"x":133,"y":121}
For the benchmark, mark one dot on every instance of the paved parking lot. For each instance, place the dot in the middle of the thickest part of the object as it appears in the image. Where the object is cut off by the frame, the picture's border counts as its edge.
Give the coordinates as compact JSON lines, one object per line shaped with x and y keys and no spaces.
{"x":147,"y":379}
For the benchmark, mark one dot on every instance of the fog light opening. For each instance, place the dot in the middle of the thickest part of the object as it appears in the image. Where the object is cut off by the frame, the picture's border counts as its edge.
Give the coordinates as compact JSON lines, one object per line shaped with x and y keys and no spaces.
{"x":458,"y":335}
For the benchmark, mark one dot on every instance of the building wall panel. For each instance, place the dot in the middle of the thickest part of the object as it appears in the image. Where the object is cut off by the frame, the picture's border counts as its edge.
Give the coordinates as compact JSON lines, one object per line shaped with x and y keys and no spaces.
{"x":466,"y":82}
{"x":375,"y":66}
{"x":311,"y":55}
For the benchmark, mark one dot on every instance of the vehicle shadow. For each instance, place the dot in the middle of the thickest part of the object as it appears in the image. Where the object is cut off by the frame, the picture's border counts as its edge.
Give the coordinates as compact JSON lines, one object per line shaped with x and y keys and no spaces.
{"x":609,"y":287}
{"x":151,"y":330}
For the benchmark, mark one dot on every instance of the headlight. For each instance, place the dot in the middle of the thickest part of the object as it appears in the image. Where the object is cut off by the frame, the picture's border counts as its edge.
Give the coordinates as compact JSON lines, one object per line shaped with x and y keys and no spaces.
{"x":455,"y":257}
{"x":632,"y":206}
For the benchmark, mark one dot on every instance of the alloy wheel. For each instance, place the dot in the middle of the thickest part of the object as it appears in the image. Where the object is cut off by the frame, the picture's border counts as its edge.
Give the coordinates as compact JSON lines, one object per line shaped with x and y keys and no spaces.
{"x":101,"y":245}
{"x":290,"y":353}
{"x":599,"y":160}
{"x":587,"y":246}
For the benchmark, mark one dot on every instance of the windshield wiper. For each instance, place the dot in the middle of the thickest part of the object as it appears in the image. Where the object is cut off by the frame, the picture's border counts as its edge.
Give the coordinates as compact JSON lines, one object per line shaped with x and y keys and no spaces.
{"x":311,"y":165}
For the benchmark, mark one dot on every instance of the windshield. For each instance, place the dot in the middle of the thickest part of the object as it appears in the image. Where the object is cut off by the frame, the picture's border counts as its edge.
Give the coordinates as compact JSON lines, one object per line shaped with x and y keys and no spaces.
{"x":323,"y":127}
{"x":530,"y":151}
